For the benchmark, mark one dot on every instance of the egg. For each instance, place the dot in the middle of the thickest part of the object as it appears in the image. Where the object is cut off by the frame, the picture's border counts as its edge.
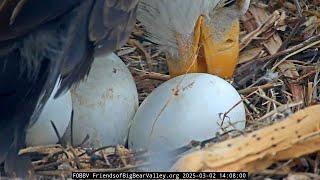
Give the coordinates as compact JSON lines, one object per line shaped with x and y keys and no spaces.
{"x":104,"y":103}
{"x":57,"y":110}
{"x":185,"y":108}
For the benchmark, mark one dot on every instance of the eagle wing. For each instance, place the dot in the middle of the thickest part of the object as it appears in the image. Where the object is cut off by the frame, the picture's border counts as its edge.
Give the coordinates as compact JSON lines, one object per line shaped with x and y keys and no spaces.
{"x":45,"y":41}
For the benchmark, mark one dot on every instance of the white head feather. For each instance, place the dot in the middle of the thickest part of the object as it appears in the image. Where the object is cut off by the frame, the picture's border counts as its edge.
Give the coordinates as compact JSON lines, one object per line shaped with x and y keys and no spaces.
{"x":164,"y":19}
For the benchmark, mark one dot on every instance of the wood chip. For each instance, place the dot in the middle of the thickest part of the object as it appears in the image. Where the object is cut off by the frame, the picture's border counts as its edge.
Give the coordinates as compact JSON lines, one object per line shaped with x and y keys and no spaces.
{"x":294,"y":137}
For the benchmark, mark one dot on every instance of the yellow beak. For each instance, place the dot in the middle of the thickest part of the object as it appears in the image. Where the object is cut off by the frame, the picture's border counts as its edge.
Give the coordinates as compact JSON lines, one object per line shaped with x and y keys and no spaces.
{"x":209,"y":54}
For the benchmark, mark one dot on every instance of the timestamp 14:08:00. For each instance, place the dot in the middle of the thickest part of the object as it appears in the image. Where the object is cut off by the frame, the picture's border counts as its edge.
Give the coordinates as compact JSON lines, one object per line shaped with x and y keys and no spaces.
{"x":214,"y":175}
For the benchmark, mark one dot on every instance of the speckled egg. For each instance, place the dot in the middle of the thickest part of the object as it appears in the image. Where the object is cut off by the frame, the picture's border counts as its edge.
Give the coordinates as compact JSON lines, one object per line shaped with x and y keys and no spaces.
{"x":104,"y":103}
{"x":57,"y":110}
{"x":185,"y":108}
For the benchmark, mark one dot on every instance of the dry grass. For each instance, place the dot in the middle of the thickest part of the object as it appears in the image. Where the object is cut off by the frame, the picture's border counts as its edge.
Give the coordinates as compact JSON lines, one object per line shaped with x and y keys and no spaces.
{"x":278,"y":74}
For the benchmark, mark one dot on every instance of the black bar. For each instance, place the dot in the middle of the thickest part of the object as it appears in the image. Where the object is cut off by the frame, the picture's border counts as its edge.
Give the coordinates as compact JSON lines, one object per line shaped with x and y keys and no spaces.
{"x":160,"y":175}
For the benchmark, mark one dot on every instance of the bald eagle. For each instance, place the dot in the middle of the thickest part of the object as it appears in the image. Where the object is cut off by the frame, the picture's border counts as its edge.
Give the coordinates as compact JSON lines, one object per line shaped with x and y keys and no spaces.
{"x":196,"y":35}
{"x":41,"y":40}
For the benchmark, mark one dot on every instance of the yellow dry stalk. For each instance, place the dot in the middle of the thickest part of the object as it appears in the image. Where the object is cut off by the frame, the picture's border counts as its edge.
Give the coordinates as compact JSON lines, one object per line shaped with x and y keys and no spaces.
{"x":293,"y":137}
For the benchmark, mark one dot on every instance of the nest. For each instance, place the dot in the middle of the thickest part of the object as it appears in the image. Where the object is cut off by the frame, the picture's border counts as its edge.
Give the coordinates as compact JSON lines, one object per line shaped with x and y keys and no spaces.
{"x":277,"y":75}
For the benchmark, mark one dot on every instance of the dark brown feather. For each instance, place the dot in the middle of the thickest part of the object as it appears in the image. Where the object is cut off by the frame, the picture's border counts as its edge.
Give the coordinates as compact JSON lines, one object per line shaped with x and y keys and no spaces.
{"x":42,"y":40}
{"x":111,"y":23}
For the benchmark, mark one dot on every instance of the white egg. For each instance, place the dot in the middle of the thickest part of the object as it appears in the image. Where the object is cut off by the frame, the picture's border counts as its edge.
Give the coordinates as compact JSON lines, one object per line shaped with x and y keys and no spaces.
{"x":57,"y":110}
{"x":104,"y":103}
{"x":185,"y":108}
